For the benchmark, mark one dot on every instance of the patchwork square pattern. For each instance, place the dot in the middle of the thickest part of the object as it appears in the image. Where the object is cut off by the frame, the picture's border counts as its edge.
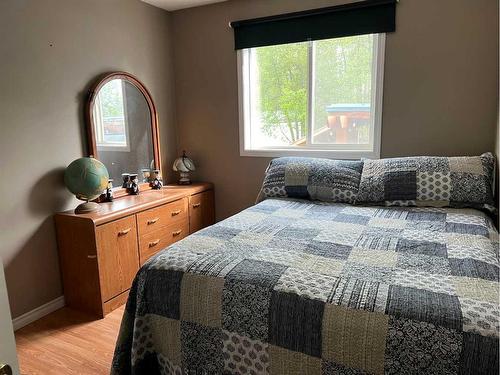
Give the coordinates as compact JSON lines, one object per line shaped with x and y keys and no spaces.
{"x":430,"y":181}
{"x":301,"y":287}
{"x":252,"y":238}
{"x":486,"y":254}
{"x":375,"y":258}
{"x":480,"y":317}
{"x":256,"y":272}
{"x":419,"y":216}
{"x":142,"y":344}
{"x":328,"y":249}
{"x":201,"y":290}
{"x":164,"y":284}
{"x":320,"y":265}
{"x":474,"y":268}
{"x":433,"y":186}
{"x":355,"y":338}
{"x":424,"y":280}
{"x":466,"y":165}
{"x":381,"y":274}
{"x":439,"y":348}
{"x":243,"y":355}
{"x":424,"y":263}
{"x":216,"y":263}
{"x":480,"y":230}
{"x":391,"y":223}
{"x":288,"y":362}
{"x":245,"y":309}
{"x":200,"y":244}
{"x":479,"y":355}
{"x":296,"y":174}
{"x":307,"y":284}
{"x":359,"y":294}
{"x":333,"y":368}
{"x":400,"y":185}
{"x":377,"y":241}
{"x":165,"y":337}
{"x":295,"y":323}
{"x":219,"y":232}
{"x":309,"y":178}
{"x":166,"y":366}
{"x":478,"y":289}
{"x":421,"y":247}
{"x":470,"y":188}
{"x":425,"y":306}
{"x":341,"y":233}
{"x":349,"y":218}
{"x":202,"y":348}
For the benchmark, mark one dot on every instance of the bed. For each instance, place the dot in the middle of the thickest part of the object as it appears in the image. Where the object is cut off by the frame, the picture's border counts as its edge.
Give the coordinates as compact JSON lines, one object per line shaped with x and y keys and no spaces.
{"x":294,"y":286}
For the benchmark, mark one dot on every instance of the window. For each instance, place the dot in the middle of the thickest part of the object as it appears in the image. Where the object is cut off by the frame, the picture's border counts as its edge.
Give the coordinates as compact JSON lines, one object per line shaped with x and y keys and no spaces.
{"x":318,"y":98}
{"x":110,"y":115}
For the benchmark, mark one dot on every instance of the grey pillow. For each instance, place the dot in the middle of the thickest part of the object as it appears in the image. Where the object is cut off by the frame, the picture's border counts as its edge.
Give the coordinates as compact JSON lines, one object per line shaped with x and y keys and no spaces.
{"x":429,"y":181}
{"x":312,"y":178}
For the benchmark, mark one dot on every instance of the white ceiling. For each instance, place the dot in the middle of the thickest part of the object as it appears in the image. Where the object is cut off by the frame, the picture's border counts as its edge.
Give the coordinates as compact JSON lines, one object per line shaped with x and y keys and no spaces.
{"x":180,"y":4}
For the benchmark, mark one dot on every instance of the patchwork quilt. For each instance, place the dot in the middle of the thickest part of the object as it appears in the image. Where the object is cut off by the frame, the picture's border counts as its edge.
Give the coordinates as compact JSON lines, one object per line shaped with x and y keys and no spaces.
{"x":300,"y":287}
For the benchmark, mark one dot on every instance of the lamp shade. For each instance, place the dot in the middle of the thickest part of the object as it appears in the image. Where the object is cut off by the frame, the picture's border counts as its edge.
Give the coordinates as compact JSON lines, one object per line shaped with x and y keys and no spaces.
{"x":183,"y":164}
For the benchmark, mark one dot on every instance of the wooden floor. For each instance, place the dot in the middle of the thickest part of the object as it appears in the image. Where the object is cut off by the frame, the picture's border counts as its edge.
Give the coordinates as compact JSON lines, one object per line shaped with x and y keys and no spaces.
{"x":68,"y":342}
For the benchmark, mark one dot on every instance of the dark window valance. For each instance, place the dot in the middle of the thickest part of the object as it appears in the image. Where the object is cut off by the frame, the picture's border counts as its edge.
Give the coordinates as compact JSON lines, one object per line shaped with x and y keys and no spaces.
{"x":362,"y":17}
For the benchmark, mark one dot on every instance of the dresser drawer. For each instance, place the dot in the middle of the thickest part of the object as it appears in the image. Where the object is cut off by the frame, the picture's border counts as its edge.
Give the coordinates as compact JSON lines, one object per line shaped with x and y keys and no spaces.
{"x":151,"y":243}
{"x":201,"y":211}
{"x":152,"y":220}
{"x":117,"y":256}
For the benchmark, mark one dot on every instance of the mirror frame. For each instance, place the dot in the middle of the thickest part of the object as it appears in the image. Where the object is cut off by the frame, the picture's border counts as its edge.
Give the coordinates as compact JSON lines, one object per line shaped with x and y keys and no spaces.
{"x":118,"y":191}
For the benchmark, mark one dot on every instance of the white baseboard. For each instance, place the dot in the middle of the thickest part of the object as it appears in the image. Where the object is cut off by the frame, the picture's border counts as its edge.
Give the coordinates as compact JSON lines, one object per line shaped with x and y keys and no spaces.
{"x":38,"y":313}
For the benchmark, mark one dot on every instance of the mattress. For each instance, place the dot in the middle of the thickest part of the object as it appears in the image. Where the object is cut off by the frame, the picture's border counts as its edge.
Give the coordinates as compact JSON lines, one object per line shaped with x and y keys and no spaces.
{"x":298,"y":287}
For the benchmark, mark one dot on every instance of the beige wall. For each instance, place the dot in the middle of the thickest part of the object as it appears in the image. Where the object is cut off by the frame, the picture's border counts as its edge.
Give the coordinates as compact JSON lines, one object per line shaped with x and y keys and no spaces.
{"x":440,"y":93}
{"x":50,"y":51}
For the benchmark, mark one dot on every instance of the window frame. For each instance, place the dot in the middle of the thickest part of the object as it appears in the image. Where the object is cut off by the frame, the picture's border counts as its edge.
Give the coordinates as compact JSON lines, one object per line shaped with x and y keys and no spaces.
{"x":99,"y":126}
{"x":338,"y":151}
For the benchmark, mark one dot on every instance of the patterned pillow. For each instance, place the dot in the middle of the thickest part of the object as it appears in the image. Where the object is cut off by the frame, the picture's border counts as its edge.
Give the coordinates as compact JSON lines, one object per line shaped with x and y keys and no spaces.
{"x":429,"y":181}
{"x":310,"y":178}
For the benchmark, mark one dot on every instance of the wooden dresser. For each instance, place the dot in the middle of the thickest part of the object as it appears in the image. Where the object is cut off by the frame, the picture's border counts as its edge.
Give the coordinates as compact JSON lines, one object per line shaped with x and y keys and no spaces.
{"x":100,"y":253}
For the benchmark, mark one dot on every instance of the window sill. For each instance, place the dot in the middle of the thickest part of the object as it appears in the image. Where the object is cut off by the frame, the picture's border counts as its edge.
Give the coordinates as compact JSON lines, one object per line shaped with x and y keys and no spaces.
{"x":328,"y":154}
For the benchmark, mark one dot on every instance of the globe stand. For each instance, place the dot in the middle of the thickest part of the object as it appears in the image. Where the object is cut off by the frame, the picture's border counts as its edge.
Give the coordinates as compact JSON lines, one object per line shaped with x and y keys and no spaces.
{"x":87,"y":207}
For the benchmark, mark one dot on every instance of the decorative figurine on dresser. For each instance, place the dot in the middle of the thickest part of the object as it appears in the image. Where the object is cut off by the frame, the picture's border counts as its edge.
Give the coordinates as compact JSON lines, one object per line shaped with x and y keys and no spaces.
{"x":157,"y":182}
{"x":101,"y":251}
{"x":134,"y":185}
{"x":109,"y":191}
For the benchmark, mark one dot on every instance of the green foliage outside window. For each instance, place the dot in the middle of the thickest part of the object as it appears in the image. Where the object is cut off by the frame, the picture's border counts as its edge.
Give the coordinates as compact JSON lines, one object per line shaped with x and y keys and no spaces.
{"x":342,"y":75}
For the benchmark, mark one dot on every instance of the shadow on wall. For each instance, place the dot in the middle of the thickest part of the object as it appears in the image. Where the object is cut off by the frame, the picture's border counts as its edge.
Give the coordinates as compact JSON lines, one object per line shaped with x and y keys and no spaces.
{"x":36,"y":262}
{"x":48,"y":195}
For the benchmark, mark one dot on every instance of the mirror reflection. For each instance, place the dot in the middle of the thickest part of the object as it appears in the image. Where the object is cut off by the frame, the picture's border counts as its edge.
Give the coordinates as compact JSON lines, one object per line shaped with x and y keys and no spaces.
{"x":122,"y":128}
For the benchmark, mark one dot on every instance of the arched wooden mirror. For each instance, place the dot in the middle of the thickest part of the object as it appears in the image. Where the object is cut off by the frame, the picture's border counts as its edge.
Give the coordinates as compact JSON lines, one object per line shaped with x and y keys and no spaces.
{"x":122,"y":127}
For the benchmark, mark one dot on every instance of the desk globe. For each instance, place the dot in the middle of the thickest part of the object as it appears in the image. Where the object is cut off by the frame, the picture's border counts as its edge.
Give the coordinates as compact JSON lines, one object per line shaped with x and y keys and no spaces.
{"x":86,"y":178}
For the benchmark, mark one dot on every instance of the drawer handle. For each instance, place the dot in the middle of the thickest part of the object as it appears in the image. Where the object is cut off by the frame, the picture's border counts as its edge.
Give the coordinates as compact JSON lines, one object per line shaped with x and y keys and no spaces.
{"x":154,"y":243}
{"x":91,"y":256}
{"x":124,"y":232}
{"x":176,"y":233}
{"x":152,"y":221}
{"x":196,"y":205}
{"x":175,"y":213}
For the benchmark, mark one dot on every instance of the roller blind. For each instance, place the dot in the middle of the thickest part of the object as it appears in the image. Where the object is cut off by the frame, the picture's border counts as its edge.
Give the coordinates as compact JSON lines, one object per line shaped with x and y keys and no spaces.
{"x":362,"y":17}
